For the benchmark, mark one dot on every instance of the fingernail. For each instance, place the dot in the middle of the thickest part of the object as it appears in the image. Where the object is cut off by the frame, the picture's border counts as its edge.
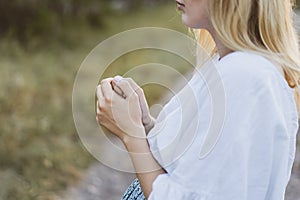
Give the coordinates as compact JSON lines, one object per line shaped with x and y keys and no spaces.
{"x":118,"y":78}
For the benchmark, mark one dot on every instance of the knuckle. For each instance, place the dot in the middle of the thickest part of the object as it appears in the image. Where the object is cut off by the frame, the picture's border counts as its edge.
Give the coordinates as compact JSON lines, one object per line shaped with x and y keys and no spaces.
{"x":100,"y":118}
{"x":106,"y":80}
{"x":108,"y":100}
{"x":121,"y":83}
{"x":140,"y":90}
{"x":135,"y":96}
{"x":101,"y":108}
{"x":129,"y":79}
{"x":97,"y":88}
{"x":98,"y":114}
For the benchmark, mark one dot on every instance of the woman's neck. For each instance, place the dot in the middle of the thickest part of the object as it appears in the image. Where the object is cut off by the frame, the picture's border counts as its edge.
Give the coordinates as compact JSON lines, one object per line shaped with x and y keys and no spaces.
{"x":222,"y":49}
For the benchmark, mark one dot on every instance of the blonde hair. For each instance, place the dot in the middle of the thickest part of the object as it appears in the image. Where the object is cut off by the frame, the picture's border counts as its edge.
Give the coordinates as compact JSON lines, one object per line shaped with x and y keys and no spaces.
{"x":261,"y":26}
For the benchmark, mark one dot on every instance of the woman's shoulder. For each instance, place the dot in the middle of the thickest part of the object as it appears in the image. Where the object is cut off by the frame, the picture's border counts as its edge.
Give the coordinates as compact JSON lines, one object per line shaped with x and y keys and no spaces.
{"x":246,"y":63}
{"x":248,"y":68}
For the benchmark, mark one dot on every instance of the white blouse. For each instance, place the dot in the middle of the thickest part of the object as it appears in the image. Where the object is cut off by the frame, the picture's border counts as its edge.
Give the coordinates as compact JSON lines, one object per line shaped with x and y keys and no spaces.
{"x":250,"y":156}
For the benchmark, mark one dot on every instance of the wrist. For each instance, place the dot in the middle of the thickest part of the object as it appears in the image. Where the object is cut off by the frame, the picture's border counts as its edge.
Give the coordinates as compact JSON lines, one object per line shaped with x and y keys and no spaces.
{"x":136,"y":145}
{"x":134,"y":136}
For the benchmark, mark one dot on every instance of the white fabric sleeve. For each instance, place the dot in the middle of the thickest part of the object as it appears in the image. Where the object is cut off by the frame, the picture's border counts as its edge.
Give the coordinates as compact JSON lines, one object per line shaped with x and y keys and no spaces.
{"x":164,"y":187}
{"x":256,"y":162}
{"x":252,"y":159}
{"x":258,"y":137}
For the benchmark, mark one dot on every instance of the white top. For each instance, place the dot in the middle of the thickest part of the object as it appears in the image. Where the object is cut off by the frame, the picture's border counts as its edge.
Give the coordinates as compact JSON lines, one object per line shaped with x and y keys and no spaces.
{"x":251,"y":157}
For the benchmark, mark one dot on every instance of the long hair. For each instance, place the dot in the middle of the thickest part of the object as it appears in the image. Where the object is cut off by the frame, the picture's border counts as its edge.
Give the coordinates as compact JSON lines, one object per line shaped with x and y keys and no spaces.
{"x":262,"y":26}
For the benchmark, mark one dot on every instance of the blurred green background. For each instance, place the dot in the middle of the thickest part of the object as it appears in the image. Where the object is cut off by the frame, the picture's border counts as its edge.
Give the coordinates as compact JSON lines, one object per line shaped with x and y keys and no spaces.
{"x":42,"y":45}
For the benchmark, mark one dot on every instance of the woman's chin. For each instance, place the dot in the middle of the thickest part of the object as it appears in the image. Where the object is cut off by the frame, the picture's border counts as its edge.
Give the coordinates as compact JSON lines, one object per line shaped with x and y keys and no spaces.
{"x":185,"y":20}
{"x":187,"y":23}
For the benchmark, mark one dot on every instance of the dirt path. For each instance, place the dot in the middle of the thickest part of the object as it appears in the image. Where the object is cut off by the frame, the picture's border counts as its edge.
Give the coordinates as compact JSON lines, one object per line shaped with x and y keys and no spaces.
{"x":100,"y":183}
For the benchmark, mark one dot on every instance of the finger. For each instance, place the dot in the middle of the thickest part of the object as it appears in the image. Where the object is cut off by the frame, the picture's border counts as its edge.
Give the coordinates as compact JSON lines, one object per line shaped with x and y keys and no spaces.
{"x":98,"y":113}
{"x":117,"y":78}
{"x":100,"y":100}
{"x":117,"y":89}
{"x":107,"y":79}
{"x":126,"y":88}
{"x":106,"y":89}
{"x":98,"y":108}
{"x":99,"y":116}
{"x":99,"y":93}
{"x":136,"y":88}
{"x":133,"y":84}
{"x":142,"y":99}
{"x":114,"y":82}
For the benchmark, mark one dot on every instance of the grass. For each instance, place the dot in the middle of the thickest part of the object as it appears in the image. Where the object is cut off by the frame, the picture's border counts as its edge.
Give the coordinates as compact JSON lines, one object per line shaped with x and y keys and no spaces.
{"x":40,"y":152}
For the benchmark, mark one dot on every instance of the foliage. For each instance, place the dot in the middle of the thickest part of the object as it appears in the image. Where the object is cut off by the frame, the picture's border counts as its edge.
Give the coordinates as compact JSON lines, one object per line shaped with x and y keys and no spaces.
{"x":47,"y":18}
{"x":40,"y":151}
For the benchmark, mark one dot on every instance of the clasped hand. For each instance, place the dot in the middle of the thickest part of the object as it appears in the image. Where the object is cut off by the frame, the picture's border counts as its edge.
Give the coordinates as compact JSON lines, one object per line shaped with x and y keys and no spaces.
{"x":122,"y":108}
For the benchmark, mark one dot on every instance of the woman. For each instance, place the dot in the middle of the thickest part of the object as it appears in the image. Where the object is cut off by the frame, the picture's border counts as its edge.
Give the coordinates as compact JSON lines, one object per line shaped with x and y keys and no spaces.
{"x":255,"y":48}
